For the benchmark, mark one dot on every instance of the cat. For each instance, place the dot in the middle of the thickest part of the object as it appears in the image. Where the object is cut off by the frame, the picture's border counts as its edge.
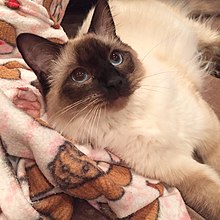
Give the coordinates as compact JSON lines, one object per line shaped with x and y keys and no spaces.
{"x":130,"y":81}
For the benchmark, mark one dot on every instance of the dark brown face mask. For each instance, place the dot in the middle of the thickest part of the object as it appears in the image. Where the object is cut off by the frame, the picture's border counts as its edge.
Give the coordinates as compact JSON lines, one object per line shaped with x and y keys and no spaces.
{"x":39,"y":52}
{"x":99,"y":69}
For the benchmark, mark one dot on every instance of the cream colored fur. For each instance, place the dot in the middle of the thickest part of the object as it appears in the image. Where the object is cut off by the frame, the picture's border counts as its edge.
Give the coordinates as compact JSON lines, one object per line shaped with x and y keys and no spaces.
{"x":166,"y":119}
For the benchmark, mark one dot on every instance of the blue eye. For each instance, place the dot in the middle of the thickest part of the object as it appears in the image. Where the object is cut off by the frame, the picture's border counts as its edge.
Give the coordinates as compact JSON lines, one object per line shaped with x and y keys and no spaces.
{"x":116,"y":58}
{"x":79,"y":75}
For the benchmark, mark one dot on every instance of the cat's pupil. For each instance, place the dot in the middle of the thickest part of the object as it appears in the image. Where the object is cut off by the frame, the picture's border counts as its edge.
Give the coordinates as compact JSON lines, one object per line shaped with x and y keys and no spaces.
{"x":79,"y":75}
{"x":116,"y":58}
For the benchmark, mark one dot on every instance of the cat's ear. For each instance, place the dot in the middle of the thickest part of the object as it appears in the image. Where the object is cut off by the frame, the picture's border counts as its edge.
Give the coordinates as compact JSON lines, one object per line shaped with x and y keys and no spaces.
{"x":102,"y":21}
{"x":38,"y":53}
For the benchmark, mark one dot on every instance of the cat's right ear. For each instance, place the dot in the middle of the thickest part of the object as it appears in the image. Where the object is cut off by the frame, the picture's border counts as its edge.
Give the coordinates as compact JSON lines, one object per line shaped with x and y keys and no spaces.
{"x":102,"y":22}
{"x":38,"y":53}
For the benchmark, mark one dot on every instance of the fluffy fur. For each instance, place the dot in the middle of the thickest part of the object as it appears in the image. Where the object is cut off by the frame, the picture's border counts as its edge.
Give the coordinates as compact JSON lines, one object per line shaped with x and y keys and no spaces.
{"x":165,"y":119}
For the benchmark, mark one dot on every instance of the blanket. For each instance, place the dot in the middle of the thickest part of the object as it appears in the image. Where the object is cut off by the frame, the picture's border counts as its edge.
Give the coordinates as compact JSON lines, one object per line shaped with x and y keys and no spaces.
{"x":40,"y":170}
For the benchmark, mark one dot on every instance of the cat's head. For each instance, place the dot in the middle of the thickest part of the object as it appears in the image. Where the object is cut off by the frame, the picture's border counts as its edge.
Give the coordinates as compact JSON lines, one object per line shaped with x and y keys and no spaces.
{"x":95,"y":69}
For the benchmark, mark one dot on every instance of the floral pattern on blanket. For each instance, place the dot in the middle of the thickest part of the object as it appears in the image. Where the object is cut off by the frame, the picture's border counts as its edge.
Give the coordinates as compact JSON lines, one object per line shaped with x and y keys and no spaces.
{"x":38,"y":17}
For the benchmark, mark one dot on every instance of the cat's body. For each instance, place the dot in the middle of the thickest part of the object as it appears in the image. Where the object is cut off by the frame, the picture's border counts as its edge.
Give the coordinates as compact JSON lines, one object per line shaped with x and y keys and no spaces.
{"x":159,"y":118}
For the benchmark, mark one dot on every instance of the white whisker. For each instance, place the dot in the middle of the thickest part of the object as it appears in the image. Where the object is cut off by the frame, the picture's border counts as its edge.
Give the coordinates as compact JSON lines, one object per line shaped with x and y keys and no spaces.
{"x":83,"y":109}
{"x":154,"y":86}
{"x":97,"y":126}
{"x":92,"y":124}
{"x":84,"y":124}
{"x":168,"y":38}
{"x":67,"y":108}
{"x":151,"y":90}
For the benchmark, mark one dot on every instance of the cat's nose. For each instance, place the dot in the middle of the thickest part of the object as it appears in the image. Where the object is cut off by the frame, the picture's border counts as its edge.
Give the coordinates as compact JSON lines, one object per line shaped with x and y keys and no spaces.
{"x":115,"y":83}
{"x":115,"y":87}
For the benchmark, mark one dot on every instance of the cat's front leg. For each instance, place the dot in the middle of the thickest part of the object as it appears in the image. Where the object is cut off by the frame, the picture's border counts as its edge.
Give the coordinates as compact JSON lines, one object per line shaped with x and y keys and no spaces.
{"x":209,"y":46}
{"x":210,"y":153}
{"x":201,"y":190}
{"x":198,"y":183}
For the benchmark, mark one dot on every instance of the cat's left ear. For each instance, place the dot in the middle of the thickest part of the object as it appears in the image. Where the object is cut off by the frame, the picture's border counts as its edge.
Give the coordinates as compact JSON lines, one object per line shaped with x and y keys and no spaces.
{"x":39,"y":54}
{"x":102,"y":21}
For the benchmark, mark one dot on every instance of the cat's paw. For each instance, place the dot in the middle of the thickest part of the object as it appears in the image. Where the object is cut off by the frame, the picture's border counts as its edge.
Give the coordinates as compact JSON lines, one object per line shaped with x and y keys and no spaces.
{"x":216,"y":59}
{"x":216,"y":71}
{"x":212,"y":54}
{"x":27,"y":101}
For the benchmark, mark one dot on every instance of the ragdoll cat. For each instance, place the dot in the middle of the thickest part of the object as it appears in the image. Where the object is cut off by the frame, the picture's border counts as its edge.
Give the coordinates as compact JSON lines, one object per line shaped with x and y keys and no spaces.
{"x":134,"y":88}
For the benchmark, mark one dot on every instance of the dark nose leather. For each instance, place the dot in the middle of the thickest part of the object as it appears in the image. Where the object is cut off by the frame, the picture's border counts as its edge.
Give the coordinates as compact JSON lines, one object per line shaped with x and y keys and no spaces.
{"x":115,"y":83}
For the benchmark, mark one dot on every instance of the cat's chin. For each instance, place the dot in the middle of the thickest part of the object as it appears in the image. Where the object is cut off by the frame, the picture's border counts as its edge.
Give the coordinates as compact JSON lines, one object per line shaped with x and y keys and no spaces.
{"x":118,"y":104}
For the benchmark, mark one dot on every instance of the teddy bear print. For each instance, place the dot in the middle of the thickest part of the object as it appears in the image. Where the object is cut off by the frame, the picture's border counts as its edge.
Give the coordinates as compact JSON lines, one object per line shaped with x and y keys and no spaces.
{"x":81,"y":177}
{"x":7,"y":38}
{"x":56,"y":206}
{"x":55,"y":11}
{"x":10,"y":70}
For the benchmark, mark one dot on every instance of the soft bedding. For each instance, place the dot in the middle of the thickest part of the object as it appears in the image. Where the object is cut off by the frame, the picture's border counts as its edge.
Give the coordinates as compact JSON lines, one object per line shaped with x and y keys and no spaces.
{"x":40,"y":170}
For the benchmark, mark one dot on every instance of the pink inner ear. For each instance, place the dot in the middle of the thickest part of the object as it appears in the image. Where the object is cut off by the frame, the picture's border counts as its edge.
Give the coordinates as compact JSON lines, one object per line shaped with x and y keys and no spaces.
{"x":5,"y":48}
